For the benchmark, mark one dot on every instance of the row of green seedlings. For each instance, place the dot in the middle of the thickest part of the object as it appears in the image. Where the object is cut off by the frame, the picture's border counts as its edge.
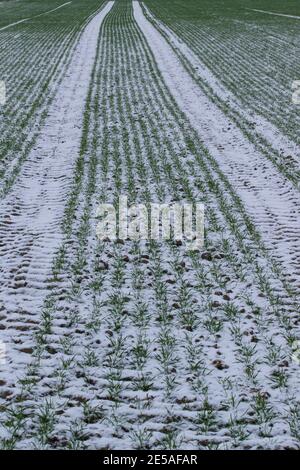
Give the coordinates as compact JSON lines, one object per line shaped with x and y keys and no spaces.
{"x":35,"y":95}
{"x":227,"y":245}
{"x":30,"y":380}
{"x":169,"y":170}
{"x":213,"y":58}
{"x":289,"y":169}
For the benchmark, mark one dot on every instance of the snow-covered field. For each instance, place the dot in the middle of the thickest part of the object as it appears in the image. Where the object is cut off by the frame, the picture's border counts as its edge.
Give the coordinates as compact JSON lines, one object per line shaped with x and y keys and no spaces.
{"x":123,"y":344}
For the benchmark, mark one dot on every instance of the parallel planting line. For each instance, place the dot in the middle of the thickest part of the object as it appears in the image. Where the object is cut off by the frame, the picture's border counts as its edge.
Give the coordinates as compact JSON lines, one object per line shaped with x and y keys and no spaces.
{"x":269,"y":198}
{"x":224,"y":43}
{"x":147,"y":345}
{"x":28,"y":98}
{"x":262,"y":133}
{"x":31,"y":215}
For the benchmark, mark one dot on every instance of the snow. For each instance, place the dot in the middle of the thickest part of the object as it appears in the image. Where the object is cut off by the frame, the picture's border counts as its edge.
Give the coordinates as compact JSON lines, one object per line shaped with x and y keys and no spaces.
{"x":273,"y":13}
{"x":30,"y":234}
{"x":263,"y":128}
{"x":269,"y":198}
{"x":36,"y":16}
{"x":31,"y":215}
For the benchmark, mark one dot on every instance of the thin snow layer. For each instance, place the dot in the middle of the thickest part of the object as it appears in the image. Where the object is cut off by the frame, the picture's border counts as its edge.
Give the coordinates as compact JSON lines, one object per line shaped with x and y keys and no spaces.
{"x":270,"y":133}
{"x":272,"y":201}
{"x":14,"y":24}
{"x":273,"y":13}
{"x":31,"y":215}
{"x":36,"y":16}
{"x":57,"y":8}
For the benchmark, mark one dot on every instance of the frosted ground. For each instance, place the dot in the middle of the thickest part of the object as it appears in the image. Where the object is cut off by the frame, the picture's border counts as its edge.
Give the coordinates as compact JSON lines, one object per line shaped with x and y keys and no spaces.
{"x":125,"y":344}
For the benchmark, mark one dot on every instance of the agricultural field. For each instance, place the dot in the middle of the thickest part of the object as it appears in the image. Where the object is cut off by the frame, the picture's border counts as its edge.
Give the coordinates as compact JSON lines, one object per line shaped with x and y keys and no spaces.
{"x":128,"y":343}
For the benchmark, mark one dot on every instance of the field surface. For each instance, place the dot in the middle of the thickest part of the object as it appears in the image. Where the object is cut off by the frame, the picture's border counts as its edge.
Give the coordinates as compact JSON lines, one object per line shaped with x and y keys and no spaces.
{"x":127,"y":344}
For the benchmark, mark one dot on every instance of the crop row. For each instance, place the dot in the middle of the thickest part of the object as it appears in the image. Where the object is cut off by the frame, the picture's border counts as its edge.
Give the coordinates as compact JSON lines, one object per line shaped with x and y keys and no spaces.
{"x":145,"y":344}
{"x":11,"y":13}
{"x":34,"y":58}
{"x":253,"y":55}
